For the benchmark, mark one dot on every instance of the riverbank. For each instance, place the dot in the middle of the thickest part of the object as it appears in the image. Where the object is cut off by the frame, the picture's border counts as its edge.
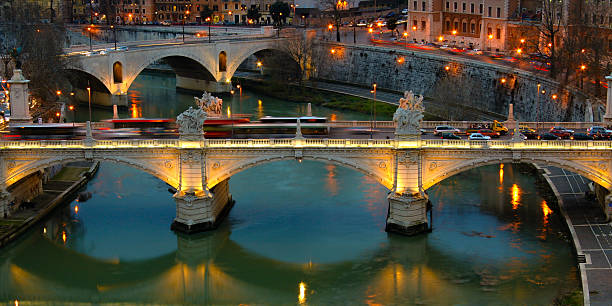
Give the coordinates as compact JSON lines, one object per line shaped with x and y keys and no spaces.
{"x":322,"y":97}
{"x":62,"y":187}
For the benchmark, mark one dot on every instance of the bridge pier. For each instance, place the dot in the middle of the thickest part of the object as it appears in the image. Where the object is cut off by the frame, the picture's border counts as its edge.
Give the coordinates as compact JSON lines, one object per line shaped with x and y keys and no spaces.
{"x":407,"y":214}
{"x":202,"y":85}
{"x":119,"y":99}
{"x":198,"y":211}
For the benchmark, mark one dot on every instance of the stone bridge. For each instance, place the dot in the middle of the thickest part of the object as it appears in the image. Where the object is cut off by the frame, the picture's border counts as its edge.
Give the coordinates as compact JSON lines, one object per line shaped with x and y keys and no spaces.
{"x":200,"y":170}
{"x":198,"y":65}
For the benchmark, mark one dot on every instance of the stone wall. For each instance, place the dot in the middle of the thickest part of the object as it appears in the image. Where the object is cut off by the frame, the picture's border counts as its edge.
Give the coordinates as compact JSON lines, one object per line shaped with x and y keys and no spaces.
{"x":401,"y":70}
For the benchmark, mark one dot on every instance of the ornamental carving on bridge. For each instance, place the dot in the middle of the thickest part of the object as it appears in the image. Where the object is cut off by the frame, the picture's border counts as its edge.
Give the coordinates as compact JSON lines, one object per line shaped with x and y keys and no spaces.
{"x":409,"y":114}
{"x":210,"y":104}
{"x":191,"y":122}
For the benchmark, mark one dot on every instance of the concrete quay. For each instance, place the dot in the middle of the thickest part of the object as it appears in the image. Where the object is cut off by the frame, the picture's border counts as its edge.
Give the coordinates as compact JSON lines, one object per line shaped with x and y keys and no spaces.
{"x":591,"y":234}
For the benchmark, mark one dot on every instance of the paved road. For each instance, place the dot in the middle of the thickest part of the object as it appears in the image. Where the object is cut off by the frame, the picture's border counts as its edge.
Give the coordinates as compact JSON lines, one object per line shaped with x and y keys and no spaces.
{"x":592,"y":235}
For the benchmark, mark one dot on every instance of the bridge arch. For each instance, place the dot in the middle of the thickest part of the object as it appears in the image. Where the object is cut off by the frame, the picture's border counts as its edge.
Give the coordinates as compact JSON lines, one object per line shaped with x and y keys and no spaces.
{"x":82,"y":79}
{"x":445,"y":172}
{"x":182,"y":62}
{"x":239,"y":57}
{"x":22,"y":171}
{"x":384,"y":176}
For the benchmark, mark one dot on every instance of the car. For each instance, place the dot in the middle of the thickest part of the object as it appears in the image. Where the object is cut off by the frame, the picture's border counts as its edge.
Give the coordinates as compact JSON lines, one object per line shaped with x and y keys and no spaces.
{"x":561,"y":132}
{"x":528,"y":132}
{"x":166,"y":23}
{"x":450,"y":136}
{"x":362,"y":23}
{"x":444,"y":47}
{"x":405,"y":11}
{"x":487,"y":132}
{"x":444,"y":129}
{"x":598,"y":132}
{"x":549,"y":136}
{"x":478,"y":136}
{"x":582,"y":136}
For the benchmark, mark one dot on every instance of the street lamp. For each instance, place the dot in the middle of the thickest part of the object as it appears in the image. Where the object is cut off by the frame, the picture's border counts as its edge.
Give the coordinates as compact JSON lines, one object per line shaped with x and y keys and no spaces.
{"x":406,"y":37}
{"x":330,"y":27}
{"x":184,"y":17}
{"x":114,"y":35}
{"x":538,"y":108}
{"x":260,"y":66}
{"x":582,"y":69}
{"x":89,"y":101}
{"x":373,"y":110}
{"x":209,"y":21}
{"x":89,"y":30}
{"x":490,"y":38}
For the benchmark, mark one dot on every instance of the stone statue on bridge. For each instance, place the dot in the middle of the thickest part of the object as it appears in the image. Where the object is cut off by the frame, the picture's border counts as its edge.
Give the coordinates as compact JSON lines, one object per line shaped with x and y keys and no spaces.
{"x":409,"y":115}
{"x":210,"y":104}
{"x":190,"y":123}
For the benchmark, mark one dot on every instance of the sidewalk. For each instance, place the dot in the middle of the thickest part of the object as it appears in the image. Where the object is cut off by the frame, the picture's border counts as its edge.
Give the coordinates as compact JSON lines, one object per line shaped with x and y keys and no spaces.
{"x":592,"y":236}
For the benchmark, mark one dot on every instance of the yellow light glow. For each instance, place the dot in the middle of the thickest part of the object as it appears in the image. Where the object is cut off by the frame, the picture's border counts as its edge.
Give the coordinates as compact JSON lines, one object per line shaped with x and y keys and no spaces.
{"x":454,"y":32}
{"x":370,"y":30}
{"x":229,"y":112}
{"x":302,"y":295}
{"x":522,"y":40}
{"x":447,"y":68}
{"x":582,"y":67}
{"x":414,"y":28}
{"x":259,"y":64}
{"x":76,"y":209}
{"x":490,"y":36}
{"x":554,"y":96}
{"x":441,"y":38}
{"x":405,"y":34}
{"x":516,"y":196}
{"x":545,"y":209}
{"x":503,"y":80}
{"x":44,"y":230}
{"x":501,"y":174}
{"x":333,"y":51}
{"x":400,"y":60}
{"x":329,"y":27}
{"x":64,"y":237}
{"x":519,"y":50}
{"x":259,"y":102}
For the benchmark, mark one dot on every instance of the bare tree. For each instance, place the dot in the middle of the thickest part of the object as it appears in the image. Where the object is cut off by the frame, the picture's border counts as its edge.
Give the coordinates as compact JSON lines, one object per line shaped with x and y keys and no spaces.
{"x":335,"y":8}
{"x":551,"y":26}
{"x":35,"y":47}
{"x":303,"y":50}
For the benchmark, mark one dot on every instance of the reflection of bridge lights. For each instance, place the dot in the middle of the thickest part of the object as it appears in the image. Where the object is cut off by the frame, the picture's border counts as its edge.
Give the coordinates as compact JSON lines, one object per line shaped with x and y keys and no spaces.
{"x":501,"y":174}
{"x":516,"y":196}
{"x":76,"y":209}
{"x":546,"y":211}
{"x":44,"y":230}
{"x":64,"y":236}
{"x":302,"y":295}
{"x":16,"y":302}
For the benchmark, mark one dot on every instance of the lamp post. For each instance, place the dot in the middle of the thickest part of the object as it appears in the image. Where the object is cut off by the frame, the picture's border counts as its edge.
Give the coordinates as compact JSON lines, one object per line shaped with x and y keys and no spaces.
{"x":184,"y":17}
{"x":582,"y":69}
{"x":330,"y":27}
{"x":373,"y":111}
{"x":490,"y":38}
{"x":89,"y":30}
{"x":114,"y":35}
{"x":209,"y":22}
{"x":406,"y":36}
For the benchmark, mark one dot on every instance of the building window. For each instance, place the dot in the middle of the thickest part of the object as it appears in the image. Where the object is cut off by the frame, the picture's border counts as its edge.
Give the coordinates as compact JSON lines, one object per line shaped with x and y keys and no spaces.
{"x":423,"y":25}
{"x":473,"y":28}
{"x":472,"y":8}
{"x":456,"y":25}
{"x":498,"y":12}
{"x":455,"y":6}
{"x":480,"y":7}
{"x":423,"y":5}
{"x":225,"y":6}
{"x":463,"y":6}
{"x":236,"y":6}
{"x":489,"y":31}
{"x":447,"y":5}
{"x":448,"y":25}
{"x":490,"y":11}
{"x":414,"y":5}
{"x":464,"y":27}
{"x":498,"y":34}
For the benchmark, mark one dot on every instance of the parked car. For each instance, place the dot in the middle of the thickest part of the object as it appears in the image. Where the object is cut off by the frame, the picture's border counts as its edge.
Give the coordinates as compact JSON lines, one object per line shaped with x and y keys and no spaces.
{"x":405,"y":11}
{"x":450,"y":136}
{"x":166,"y":23}
{"x":598,"y":132}
{"x":478,"y":136}
{"x":561,"y":132}
{"x":582,"y":136}
{"x":362,"y":23}
{"x":444,"y":129}
{"x":549,"y":136}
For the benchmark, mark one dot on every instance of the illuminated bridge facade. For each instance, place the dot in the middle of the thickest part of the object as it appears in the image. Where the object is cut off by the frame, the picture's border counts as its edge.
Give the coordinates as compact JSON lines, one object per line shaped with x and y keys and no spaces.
{"x":200,"y":170}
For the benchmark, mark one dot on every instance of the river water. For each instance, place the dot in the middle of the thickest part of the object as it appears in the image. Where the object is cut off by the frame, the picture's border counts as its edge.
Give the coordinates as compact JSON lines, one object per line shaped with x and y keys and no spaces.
{"x":299,"y":233}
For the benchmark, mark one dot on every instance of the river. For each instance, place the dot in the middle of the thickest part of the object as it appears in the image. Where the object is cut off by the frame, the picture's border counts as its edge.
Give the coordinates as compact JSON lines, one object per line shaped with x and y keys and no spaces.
{"x":299,"y":233}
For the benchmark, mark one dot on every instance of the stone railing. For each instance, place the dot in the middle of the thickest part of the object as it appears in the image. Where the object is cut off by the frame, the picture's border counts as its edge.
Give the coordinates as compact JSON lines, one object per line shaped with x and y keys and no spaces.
{"x":312,"y":143}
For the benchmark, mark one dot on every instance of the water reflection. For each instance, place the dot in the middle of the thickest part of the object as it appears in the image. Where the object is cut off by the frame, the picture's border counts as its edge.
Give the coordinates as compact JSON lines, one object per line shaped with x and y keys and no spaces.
{"x":332,"y":248}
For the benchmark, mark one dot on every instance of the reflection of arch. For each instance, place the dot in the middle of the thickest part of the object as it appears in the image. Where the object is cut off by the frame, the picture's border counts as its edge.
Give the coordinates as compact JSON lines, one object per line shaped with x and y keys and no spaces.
{"x":39,"y":165}
{"x":117,"y":72}
{"x":382,"y":174}
{"x":471,"y":164}
{"x":222,"y":61}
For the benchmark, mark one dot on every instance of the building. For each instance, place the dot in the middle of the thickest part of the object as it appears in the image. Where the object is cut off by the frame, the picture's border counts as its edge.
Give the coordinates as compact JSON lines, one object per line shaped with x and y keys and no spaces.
{"x":264,"y":8}
{"x":135,"y":11}
{"x":462,"y":23}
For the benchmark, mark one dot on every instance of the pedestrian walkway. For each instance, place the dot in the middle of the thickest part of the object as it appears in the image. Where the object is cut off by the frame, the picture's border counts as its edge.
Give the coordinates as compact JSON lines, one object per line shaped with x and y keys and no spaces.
{"x":591,"y":234}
